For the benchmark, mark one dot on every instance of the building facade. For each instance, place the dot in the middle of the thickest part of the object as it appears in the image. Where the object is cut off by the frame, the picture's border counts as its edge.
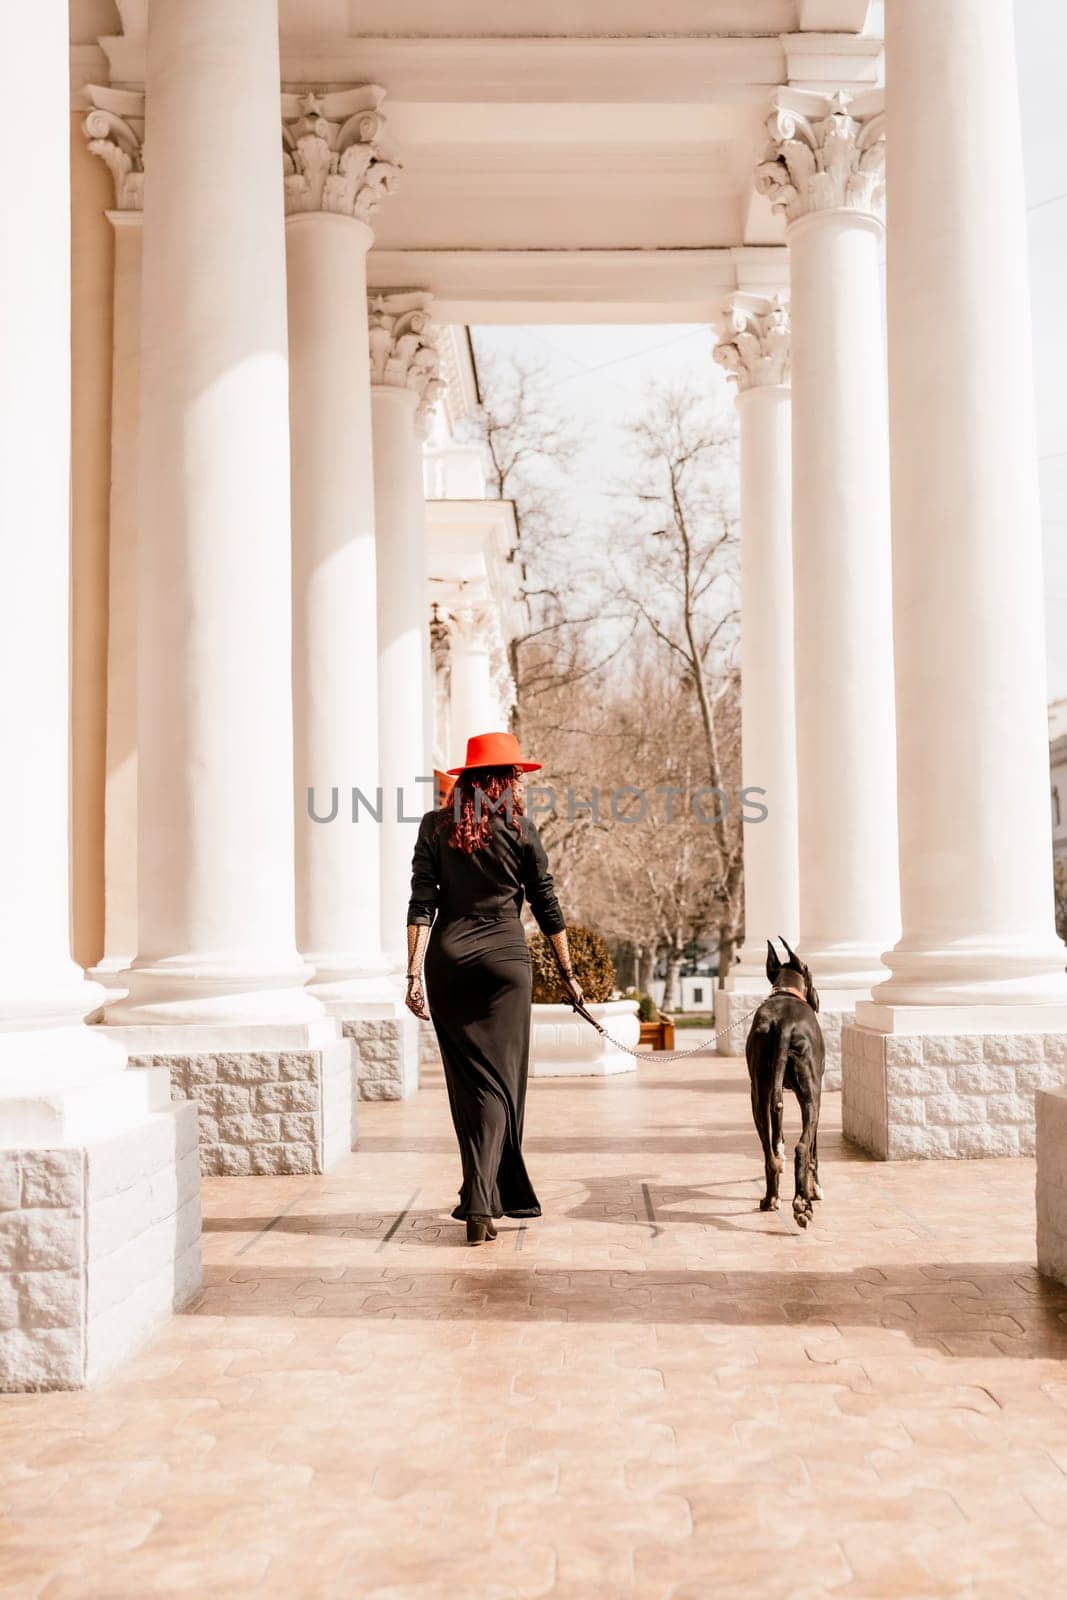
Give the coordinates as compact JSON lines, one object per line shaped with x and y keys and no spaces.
{"x":247,"y":618}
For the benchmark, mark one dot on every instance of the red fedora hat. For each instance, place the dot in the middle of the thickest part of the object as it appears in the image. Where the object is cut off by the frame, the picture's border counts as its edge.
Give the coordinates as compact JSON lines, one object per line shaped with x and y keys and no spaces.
{"x":494,"y":750}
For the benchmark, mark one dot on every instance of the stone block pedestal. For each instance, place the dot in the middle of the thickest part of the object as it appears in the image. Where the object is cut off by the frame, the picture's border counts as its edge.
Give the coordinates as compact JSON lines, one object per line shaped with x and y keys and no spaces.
{"x":389,"y":1051}
{"x":832,"y":1020}
{"x":99,"y":1242}
{"x":275,"y":1099}
{"x":908,"y":1096}
{"x":1052,"y":1183}
{"x":429,"y":1049}
{"x":730,"y":1006}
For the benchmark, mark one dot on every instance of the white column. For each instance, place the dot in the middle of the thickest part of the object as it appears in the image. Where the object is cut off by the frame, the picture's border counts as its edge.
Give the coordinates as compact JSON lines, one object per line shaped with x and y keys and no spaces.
{"x":972,"y":737}
{"x":754,"y":349}
{"x":335,"y":178}
{"x":115,"y":130}
{"x":824,"y":170}
{"x":44,"y":1047}
{"x":215,"y":790}
{"x":404,"y":364}
{"x":977,"y":977}
{"x":473,"y":704}
{"x":101,"y":1186}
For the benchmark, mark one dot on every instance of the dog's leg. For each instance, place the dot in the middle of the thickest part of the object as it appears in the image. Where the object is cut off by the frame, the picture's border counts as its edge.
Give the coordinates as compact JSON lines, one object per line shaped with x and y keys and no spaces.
{"x":816,"y":1185}
{"x":773,"y":1114}
{"x":772,"y":1162}
{"x":777,"y":1136}
{"x":804,"y":1176}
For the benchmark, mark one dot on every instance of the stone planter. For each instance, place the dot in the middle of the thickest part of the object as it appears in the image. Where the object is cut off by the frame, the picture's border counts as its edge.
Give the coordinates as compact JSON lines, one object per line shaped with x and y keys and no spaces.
{"x":563,"y":1045}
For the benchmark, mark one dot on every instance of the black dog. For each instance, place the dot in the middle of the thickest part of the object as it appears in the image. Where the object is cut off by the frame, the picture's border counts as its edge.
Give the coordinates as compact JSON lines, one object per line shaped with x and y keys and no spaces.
{"x":784,"y":1050}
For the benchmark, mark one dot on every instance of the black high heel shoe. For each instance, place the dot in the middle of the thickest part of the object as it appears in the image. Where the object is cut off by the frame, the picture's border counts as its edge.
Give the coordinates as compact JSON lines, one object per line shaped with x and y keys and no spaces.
{"x":480,"y":1230}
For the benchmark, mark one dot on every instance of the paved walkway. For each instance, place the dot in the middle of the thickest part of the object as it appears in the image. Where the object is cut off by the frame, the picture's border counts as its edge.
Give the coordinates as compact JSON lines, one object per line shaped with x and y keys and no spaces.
{"x":655,"y":1392}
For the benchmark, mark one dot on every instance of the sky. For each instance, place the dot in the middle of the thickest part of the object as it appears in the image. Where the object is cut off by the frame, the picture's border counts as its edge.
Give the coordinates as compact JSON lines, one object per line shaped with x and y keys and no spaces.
{"x":601,"y":373}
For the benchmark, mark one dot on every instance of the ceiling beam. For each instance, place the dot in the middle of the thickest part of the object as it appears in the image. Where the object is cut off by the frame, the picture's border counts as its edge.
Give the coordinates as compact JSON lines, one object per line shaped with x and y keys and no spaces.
{"x":579,"y":286}
{"x":688,"y":70}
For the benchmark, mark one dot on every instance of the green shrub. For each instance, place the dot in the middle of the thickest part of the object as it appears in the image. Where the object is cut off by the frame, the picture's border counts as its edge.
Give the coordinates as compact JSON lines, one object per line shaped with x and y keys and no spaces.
{"x":647,"y":1009}
{"x":593,"y":967}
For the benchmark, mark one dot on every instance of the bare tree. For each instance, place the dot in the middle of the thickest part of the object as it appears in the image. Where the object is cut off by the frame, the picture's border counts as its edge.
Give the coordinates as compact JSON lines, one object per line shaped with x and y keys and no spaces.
{"x":681,"y":581}
{"x":645,"y":872}
{"x":524,"y":431}
{"x":604,"y":706}
{"x":532,"y":444}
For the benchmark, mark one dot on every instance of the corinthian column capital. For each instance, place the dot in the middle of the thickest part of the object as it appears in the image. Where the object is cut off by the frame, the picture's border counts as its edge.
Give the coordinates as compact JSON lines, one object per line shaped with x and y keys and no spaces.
{"x":403,"y":347}
{"x":826,"y":153}
{"x":332,"y":152}
{"x":115,"y":131}
{"x":472,"y":624}
{"x":754,"y":349}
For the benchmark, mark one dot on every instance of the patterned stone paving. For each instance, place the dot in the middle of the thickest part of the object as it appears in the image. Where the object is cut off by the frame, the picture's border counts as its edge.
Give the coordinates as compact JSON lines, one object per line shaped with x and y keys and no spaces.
{"x":655,"y":1392}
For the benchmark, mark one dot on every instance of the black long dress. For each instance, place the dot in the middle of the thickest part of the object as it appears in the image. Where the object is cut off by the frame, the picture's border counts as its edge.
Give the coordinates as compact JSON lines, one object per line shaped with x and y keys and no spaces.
{"x":478,"y":986}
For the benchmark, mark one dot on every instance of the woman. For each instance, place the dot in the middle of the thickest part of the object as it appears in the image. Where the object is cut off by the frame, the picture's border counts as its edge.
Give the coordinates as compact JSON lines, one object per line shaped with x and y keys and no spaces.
{"x":475,"y":860}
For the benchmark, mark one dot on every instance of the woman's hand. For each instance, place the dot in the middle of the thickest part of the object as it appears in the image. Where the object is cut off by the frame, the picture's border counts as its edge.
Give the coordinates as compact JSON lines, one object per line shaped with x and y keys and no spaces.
{"x":415,"y":999}
{"x":574,"y":989}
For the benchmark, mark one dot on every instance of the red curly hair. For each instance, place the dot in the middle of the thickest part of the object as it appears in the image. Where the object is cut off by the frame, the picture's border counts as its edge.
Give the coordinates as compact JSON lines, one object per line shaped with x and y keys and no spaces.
{"x":479,"y":795}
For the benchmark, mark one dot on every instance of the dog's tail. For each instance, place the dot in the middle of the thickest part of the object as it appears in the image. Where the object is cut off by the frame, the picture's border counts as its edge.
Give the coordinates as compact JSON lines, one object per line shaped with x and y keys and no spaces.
{"x":774,"y":1108}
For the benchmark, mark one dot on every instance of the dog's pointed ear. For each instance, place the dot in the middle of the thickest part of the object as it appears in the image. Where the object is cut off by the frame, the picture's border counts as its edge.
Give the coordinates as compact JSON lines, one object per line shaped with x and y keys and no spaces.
{"x":774,"y":966}
{"x":794,"y":959}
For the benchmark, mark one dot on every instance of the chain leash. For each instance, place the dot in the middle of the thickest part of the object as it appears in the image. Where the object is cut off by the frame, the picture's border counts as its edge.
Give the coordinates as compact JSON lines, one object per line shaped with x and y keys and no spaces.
{"x":665,"y":1055}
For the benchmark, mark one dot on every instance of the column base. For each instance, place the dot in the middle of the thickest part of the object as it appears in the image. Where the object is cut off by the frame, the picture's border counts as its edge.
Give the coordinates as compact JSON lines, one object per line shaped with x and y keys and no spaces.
{"x":844,"y":968}
{"x":1051,"y":1107}
{"x":99,"y":1244}
{"x":976,"y":972}
{"x":272,"y":1099}
{"x":963,"y":1087}
{"x":110,"y":974}
{"x":187,"y":993}
{"x":341,"y":991}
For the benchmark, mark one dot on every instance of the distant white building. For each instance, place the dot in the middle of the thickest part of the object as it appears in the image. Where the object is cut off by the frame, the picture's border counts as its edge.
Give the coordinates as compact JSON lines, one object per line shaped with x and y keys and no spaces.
{"x":697,"y":992}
